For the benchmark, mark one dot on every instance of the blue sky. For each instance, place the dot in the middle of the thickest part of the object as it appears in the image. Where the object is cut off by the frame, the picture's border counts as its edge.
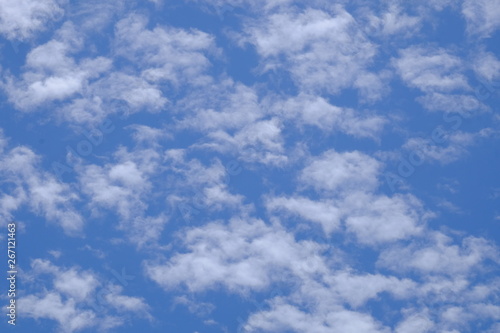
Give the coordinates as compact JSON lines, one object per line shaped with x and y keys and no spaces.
{"x":251,"y":166}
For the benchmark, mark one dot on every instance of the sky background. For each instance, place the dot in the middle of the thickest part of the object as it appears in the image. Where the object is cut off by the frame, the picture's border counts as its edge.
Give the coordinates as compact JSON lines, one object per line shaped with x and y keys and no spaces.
{"x":251,"y":166}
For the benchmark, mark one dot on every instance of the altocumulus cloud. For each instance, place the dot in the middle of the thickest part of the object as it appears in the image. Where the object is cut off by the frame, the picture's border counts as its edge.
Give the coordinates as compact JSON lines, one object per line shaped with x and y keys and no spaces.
{"x":244,"y":185}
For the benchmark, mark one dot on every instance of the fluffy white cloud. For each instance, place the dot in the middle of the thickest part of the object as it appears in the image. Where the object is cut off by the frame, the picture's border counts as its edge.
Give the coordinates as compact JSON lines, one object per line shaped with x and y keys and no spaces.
{"x":86,"y":88}
{"x":379,"y":219}
{"x":339,"y":172}
{"x":373,"y":219}
{"x":72,"y":283}
{"x":392,"y":22}
{"x":204,"y":117}
{"x":258,"y":142}
{"x":415,"y":323}
{"x":454,"y":145}
{"x":51,"y":306}
{"x":317,"y":111}
{"x":76,"y":299}
{"x":94,"y":15}
{"x":450,"y":103}
{"x":52,"y":73}
{"x":164,"y":53}
{"x":356,"y":290}
{"x":487,"y":66}
{"x":235,"y":121}
{"x":229,"y":5}
{"x":319,"y":306}
{"x":135,"y":91}
{"x":440,"y":255}
{"x":324,"y":213}
{"x":287,"y":318}
{"x":347,"y":184}
{"x":483,"y":16}
{"x":24,"y":18}
{"x":245,"y":254}
{"x":430,"y":69}
{"x":195,"y":186}
{"x":39,"y":190}
{"x":124,"y":187}
{"x":325,"y":52}
{"x":226,"y":105}
{"x":323,"y":306}
{"x":107,"y":188}
{"x":147,"y":135}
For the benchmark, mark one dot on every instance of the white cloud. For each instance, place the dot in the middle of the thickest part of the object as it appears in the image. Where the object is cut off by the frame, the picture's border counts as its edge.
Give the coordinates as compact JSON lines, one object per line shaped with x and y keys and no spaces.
{"x":225,"y":105}
{"x":39,"y":190}
{"x":124,"y":187}
{"x":123,"y":184}
{"x":247,"y":254}
{"x":260,"y":142}
{"x":51,"y":306}
{"x":24,"y":18}
{"x":440,"y":255}
{"x":244,"y":255}
{"x":288,"y":318}
{"x":379,"y":219}
{"x":164,"y":53}
{"x":315,"y":304}
{"x":196,"y":187}
{"x":336,"y":172}
{"x":77,"y":286}
{"x":104,"y":191}
{"x":52,"y":74}
{"x":392,"y":22}
{"x":415,"y":323}
{"x":75,"y":299}
{"x":482,"y":16}
{"x":235,"y":121}
{"x":323,"y":213}
{"x":490,"y":311}
{"x":72,"y":283}
{"x":347,"y":184}
{"x":454,"y":146}
{"x":137,"y":92}
{"x":323,"y":289}
{"x":125,"y":303}
{"x":148,"y":135}
{"x":145,"y":230}
{"x":94,"y":15}
{"x":317,"y":111}
{"x":450,"y":103}
{"x":86,"y":89}
{"x":447,"y":315}
{"x":373,"y":219}
{"x":223,"y":6}
{"x":194,"y":306}
{"x":356,"y":290}
{"x":487,"y":66}
{"x":324,"y":52}
{"x":438,"y":4}
{"x":430,"y":70}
